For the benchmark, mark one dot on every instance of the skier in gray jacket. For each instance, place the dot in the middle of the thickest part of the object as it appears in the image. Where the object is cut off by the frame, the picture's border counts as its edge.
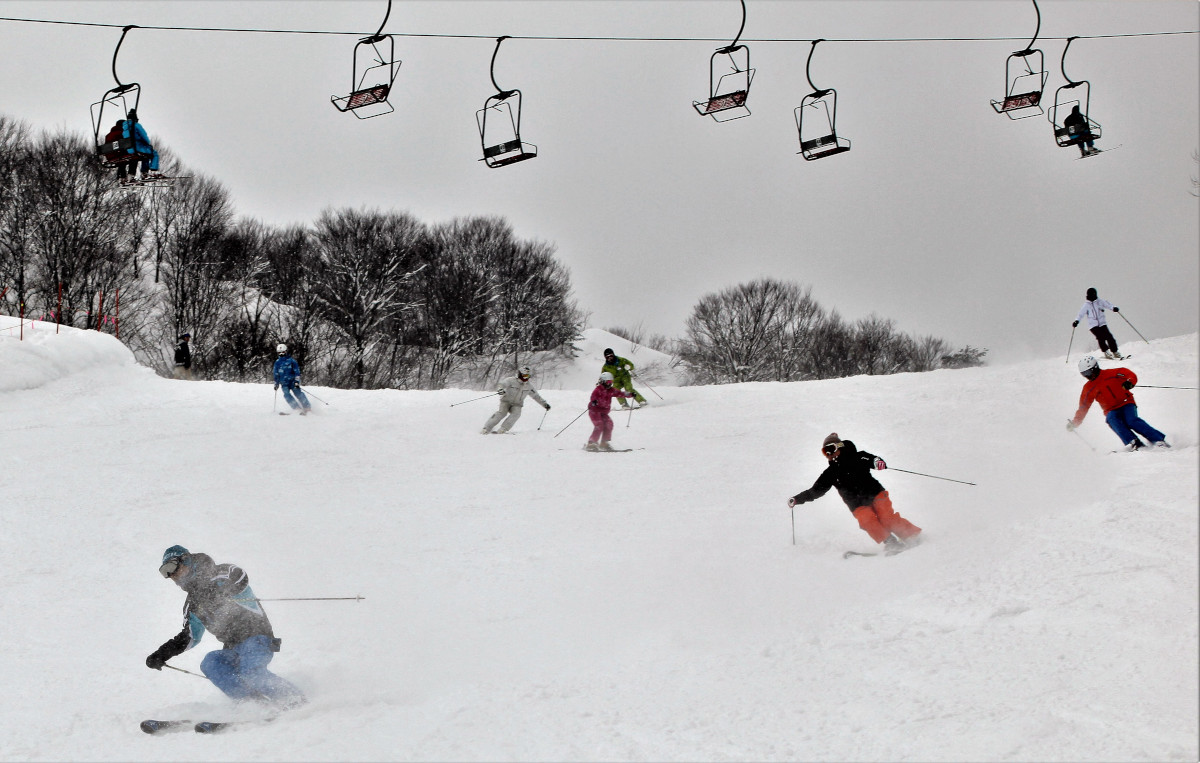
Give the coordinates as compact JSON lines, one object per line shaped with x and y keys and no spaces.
{"x":512,"y":396}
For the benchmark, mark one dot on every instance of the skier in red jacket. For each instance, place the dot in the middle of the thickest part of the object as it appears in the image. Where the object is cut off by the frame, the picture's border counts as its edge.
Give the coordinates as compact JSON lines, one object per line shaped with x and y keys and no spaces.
{"x":1112,"y":388}
{"x":598,"y":411}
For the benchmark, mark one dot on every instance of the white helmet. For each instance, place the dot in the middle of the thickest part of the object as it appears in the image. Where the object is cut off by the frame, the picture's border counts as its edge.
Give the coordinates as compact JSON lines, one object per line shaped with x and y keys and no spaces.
{"x":605,"y":377}
{"x":281,"y":348}
{"x":524,"y":372}
{"x":1088,"y":366}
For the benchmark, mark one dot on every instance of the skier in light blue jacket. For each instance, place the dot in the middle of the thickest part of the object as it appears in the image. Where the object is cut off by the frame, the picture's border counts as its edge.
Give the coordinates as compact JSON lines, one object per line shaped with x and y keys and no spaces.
{"x":287,"y":375}
{"x":143,"y":150}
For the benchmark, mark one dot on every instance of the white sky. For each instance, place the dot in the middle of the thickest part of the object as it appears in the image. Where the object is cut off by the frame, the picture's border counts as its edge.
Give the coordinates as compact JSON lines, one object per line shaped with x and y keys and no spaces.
{"x":529,"y":601}
{"x":945,"y":216}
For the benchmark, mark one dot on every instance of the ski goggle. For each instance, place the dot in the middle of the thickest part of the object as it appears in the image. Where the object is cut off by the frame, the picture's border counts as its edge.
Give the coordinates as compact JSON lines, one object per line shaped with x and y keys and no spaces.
{"x":830,"y":448}
{"x":169,"y":567}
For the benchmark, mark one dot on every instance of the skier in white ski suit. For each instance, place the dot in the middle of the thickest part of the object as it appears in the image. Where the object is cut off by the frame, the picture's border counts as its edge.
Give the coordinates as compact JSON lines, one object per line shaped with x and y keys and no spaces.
{"x":512,"y":397}
{"x":1093,"y":310}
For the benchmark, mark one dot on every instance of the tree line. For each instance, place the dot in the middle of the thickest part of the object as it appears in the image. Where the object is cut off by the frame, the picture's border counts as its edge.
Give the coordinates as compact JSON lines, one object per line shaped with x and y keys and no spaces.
{"x":363,"y":298}
{"x":771,"y":330}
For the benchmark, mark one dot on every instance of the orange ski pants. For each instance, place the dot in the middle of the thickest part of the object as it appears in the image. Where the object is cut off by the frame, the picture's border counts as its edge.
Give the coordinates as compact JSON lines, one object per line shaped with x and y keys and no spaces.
{"x":880,"y":520}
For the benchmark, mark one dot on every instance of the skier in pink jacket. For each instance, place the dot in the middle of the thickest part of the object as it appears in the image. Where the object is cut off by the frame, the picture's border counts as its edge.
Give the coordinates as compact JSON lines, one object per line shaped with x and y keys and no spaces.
{"x":598,"y":408}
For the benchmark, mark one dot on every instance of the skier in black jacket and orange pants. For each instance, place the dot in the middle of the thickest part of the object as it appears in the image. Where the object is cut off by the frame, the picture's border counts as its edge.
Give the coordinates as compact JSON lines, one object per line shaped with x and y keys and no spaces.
{"x":849,"y":471}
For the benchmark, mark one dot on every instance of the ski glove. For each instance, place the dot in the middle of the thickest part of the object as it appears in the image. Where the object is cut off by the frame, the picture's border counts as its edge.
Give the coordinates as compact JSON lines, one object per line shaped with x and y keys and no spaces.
{"x":547,"y":406}
{"x":1127,"y":384}
{"x":1074,"y":324}
{"x":155,"y":661}
{"x":1116,"y":309}
{"x":296,"y":384}
{"x":879,"y":464}
{"x":791,"y":503}
{"x":276,"y":385}
{"x":1071,"y":425}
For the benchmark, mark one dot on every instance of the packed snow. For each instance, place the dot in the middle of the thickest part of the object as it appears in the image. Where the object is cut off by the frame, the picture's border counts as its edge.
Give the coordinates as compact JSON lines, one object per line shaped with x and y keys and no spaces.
{"x":526,"y":600}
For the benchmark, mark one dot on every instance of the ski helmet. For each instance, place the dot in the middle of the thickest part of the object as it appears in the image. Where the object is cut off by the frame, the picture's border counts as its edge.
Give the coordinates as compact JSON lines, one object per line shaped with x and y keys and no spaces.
{"x":1091,"y":294}
{"x":606,"y":378}
{"x":609,"y":353}
{"x":173,"y":557}
{"x":281,"y":348}
{"x":524,"y":373}
{"x":1089,"y":367}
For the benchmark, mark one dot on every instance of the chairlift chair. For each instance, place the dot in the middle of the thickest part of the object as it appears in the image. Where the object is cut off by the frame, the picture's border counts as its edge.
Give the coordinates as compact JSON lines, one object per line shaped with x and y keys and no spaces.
{"x":1065,"y":99}
{"x":816,"y":120}
{"x":729,"y":81}
{"x":113,"y":150}
{"x":1024,"y":79}
{"x":372,"y":78}
{"x":729,"y":78}
{"x":499,"y":123}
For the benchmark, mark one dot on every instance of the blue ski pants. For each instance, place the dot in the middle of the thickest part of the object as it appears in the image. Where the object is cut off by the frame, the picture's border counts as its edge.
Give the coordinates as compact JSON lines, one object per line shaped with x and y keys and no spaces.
{"x":1125,"y":421}
{"x":299,"y":393}
{"x":241,"y":672}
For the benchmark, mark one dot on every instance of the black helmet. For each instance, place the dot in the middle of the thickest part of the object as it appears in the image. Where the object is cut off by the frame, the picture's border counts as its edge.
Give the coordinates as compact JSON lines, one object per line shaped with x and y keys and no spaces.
{"x":133,"y":114}
{"x":1091,"y":294}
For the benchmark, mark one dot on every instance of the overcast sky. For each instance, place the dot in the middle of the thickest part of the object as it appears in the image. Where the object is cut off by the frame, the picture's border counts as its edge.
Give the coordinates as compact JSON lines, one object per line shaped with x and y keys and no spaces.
{"x":945,"y":216}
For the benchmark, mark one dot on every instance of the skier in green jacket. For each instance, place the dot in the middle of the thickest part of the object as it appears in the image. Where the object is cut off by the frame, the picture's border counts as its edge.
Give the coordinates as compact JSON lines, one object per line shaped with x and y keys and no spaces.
{"x":622,"y":371}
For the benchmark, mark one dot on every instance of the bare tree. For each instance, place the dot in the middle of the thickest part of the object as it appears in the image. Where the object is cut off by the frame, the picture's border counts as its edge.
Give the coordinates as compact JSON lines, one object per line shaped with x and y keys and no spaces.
{"x":363,"y":261}
{"x":750,"y":332}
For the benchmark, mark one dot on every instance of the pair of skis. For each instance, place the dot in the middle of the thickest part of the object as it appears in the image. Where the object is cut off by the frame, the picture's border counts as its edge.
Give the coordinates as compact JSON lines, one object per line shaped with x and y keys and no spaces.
{"x":203,"y":727}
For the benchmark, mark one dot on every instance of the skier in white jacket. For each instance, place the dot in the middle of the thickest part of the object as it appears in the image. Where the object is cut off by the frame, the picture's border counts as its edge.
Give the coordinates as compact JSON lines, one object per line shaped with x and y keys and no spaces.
{"x":1093,"y":309}
{"x":512,"y":396}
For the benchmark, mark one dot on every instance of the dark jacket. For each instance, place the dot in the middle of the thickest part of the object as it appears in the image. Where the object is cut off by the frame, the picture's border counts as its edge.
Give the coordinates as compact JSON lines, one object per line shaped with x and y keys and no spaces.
{"x":220,"y":600}
{"x":851,"y":474}
{"x":183,"y":354}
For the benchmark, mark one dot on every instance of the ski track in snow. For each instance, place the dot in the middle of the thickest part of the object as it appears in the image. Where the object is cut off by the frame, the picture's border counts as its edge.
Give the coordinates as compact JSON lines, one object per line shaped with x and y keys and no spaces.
{"x":527,"y":604}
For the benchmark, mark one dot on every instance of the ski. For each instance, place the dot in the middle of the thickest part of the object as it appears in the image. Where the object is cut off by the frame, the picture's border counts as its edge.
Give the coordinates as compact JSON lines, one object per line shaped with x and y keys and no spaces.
{"x":216,"y":727}
{"x":613,"y":450}
{"x":849,"y":554}
{"x":159,"y":727}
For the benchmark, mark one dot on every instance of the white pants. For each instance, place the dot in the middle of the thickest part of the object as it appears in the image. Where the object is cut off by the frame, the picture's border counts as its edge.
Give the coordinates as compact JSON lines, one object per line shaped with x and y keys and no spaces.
{"x":512,"y":410}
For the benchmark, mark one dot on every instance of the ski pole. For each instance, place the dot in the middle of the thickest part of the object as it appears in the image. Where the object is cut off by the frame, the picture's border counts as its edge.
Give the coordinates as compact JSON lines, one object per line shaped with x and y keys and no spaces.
{"x":572,"y":422}
{"x":793,"y":508}
{"x":319,"y":598}
{"x":181,"y":670}
{"x":1068,"y":360}
{"x":472,"y":400}
{"x":934,"y":476}
{"x":543,"y":421}
{"x":1144,"y":339}
{"x":1085,"y":442}
{"x":1155,"y":386}
{"x":652,"y":389}
{"x":310,"y":394}
{"x":629,"y":419}
{"x":275,"y":404}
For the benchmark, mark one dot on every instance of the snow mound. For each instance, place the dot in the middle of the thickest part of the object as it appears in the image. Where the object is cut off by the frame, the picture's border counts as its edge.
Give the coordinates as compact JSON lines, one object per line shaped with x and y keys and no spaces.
{"x":35,"y":354}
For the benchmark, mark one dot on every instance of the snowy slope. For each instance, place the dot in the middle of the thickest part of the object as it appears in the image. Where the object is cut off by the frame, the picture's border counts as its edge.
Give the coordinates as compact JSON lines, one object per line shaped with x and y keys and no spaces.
{"x":529,"y":601}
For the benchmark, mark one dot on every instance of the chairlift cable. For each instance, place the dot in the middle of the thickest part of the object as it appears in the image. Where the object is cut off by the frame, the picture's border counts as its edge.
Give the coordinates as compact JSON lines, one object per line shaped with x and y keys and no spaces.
{"x":585,"y":38}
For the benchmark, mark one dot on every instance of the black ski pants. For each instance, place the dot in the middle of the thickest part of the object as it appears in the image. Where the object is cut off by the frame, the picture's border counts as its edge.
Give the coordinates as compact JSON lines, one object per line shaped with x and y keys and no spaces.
{"x":1105,"y":339}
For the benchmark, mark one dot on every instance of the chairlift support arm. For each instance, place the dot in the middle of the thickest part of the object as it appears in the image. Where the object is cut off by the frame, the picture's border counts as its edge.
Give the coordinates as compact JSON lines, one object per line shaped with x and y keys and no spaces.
{"x":734,"y":45}
{"x":121,"y":87}
{"x":492,"y":70}
{"x":807,"y":69}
